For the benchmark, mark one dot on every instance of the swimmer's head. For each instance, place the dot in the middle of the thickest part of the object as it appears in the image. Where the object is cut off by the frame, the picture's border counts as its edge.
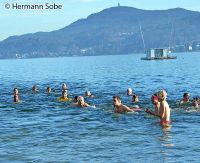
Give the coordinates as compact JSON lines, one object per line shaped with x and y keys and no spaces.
{"x":64,"y":86}
{"x":154,"y":98}
{"x":116,"y":100}
{"x":75,"y":99}
{"x":49,"y":89}
{"x":88,"y":93}
{"x":15,"y":90}
{"x":135,"y":98}
{"x":34,"y":88}
{"x":162,"y":95}
{"x":129,"y":91}
{"x":186,"y":95}
{"x":80,"y":100}
{"x":195,"y":102}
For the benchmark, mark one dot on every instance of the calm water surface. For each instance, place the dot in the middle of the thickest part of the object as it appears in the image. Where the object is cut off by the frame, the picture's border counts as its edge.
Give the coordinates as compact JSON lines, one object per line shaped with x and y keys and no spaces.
{"x":41,"y":129}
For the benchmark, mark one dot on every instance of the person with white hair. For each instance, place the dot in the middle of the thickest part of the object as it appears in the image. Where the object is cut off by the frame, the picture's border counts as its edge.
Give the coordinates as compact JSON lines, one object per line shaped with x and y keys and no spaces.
{"x":164,"y":110}
{"x":129,"y":92}
{"x":64,"y":87}
{"x":89,"y":94}
{"x":81,"y":102}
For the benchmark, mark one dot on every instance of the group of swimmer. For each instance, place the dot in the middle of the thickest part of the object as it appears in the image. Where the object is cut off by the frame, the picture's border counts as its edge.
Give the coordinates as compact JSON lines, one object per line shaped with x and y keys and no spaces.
{"x":161,"y":106}
{"x":159,"y":100}
{"x":162,"y":109}
{"x":186,"y":100}
{"x":77,"y":101}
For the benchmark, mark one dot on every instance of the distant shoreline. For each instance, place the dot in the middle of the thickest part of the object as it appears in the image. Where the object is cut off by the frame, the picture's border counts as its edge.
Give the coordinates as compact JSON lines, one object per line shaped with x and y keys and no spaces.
{"x":90,"y":55}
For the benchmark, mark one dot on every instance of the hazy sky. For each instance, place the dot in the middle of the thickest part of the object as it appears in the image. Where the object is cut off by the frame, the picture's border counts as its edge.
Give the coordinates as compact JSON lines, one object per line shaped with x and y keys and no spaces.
{"x":17,"y":22}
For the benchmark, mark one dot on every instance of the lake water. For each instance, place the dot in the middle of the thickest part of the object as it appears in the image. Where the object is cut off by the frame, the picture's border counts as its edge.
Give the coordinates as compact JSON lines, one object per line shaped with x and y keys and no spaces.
{"x":41,"y":129}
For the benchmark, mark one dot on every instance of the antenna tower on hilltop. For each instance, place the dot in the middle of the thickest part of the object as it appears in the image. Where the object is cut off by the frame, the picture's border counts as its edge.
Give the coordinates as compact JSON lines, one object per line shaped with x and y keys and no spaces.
{"x":118,"y":4}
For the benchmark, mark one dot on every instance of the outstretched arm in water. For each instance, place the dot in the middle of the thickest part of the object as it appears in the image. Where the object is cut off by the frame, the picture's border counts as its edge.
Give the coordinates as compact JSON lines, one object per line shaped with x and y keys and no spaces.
{"x":127,"y":109}
{"x":151,"y":112}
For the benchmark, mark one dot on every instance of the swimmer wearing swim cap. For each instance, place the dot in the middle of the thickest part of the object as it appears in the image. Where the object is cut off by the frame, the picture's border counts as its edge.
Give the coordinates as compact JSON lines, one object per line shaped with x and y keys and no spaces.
{"x":156,"y":103}
{"x":162,"y":94}
{"x":64,"y":87}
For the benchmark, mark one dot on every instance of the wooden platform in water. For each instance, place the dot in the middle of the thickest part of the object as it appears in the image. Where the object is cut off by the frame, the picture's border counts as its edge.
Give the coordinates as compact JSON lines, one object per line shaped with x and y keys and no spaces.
{"x":159,"y":58}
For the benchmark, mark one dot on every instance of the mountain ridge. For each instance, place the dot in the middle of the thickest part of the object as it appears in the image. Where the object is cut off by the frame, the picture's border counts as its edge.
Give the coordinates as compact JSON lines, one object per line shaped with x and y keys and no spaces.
{"x":111,"y":31}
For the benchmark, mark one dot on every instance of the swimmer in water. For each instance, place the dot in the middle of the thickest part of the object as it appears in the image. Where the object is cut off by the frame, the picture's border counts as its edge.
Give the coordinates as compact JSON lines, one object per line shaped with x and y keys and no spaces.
{"x":89,"y":94}
{"x":119,"y":107}
{"x":81,"y":102}
{"x":64,"y":97}
{"x":135,"y":98}
{"x":164,"y":110}
{"x":186,"y":98}
{"x":75,"y":99}
{"x":48,"y":89}
{"x":35,"y":88}
{"x":129,"y":92}
{"x":195,"y":102}
{"x":156,"y":103}
{"x":16,"y":95}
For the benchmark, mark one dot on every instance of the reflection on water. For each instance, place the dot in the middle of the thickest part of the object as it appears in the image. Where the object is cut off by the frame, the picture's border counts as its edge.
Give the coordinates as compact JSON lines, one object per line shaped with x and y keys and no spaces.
{"x":167,"y":144}
{"x":167,"y":137}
